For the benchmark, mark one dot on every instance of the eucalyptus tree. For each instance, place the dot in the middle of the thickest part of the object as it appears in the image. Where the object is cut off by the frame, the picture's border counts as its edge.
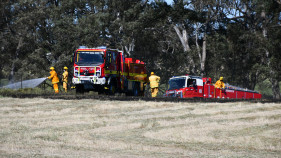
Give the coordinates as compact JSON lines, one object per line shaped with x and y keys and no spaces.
{"x":259,"y":24}
{"x":194,"y":21}
{"x":24,"y":36}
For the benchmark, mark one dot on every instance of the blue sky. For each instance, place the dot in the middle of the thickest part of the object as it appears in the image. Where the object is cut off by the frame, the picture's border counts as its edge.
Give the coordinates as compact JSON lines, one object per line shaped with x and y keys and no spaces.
{"x":169,"y":1}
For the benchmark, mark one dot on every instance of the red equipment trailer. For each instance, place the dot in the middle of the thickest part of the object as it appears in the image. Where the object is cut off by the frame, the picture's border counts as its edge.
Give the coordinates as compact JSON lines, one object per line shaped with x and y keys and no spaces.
{"x":107,"y":70}
{"x":194,"y":86}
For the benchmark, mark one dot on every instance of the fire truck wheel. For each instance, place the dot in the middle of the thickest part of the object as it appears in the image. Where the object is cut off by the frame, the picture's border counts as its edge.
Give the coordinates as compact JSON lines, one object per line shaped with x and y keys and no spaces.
{"x":100,"y":92}
{"x":136,"y":89}
{"x":112,"y":88}
{"x":128,"y":94}
{"x":80,"y":89}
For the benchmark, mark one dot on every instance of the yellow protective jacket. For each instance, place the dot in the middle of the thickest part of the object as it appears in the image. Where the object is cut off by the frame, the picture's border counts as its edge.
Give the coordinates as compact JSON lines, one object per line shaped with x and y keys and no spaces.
{"x":54,"y":77}
{"x":154,"y":81}
{"x":219,"y":84}
{"x":65,"y":76}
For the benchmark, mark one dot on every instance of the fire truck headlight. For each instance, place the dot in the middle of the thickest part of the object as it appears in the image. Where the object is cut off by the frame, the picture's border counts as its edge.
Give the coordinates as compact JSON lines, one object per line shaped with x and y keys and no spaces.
{"x":75,"y":72}
{"x":98,"y":74}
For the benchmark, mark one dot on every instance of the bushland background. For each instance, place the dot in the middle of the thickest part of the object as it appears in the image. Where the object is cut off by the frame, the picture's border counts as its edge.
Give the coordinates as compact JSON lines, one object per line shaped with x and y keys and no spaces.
{"x":237,"y":39}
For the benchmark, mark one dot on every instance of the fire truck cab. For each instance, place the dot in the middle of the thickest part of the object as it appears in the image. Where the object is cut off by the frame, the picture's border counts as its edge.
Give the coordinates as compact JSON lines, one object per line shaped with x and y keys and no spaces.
{"x":185,"y":87}
{"x":107,"y":70}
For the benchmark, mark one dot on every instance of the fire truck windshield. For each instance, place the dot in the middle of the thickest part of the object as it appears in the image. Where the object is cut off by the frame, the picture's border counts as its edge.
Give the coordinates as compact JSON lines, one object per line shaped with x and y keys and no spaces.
{"x":177,"y":83}
{"x":88,"y":58}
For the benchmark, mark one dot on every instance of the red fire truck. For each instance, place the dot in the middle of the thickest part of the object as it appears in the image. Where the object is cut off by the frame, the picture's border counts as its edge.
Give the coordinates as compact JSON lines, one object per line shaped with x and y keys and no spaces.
{"x":107,"y":70}
{"x":193,"y":86}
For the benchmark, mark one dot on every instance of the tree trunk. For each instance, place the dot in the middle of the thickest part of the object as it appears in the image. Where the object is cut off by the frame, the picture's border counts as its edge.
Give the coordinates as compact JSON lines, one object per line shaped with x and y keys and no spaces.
{"x":204,"y":53}
{"x":184,"y":41}
{"x":275,"y":86}
{"x":183,"y":38}
{"x":202,"y":56}
{"x":12,"y":73}
{"x":129,"y":49}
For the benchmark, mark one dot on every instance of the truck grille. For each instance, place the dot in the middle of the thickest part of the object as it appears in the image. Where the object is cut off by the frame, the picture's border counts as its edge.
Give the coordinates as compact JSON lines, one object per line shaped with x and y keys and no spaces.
{"x":87,"y":72}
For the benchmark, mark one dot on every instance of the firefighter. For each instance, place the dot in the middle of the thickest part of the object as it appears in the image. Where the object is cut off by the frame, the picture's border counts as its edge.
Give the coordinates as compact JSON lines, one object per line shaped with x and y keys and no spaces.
{"x":219,"y":84}
{"x":55,"y":79}
{"x":64,"y":78}
{"x":154,"y":84}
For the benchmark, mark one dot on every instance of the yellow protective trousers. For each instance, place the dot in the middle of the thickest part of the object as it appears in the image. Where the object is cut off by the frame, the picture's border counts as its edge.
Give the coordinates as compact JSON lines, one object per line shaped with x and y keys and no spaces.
{"x":64,"y":85}
{"x":56,"y":88}
{"x":154,"y":92}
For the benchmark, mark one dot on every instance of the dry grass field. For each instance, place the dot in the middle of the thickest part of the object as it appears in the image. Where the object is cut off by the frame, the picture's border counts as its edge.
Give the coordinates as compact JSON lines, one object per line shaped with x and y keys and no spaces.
{"x":94,"y":128}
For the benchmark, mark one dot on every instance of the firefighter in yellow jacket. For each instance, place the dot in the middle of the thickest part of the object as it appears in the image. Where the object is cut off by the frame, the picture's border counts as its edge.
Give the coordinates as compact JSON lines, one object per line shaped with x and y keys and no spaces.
{"x":154,"y":84}
{"x":219,"y":84}
{"x":55,"y":79}
{"x":64,"y":78}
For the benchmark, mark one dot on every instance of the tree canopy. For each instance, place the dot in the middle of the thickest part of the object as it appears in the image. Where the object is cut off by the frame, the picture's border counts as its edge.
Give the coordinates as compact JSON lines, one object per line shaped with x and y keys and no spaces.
{"x":237,"y":39}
